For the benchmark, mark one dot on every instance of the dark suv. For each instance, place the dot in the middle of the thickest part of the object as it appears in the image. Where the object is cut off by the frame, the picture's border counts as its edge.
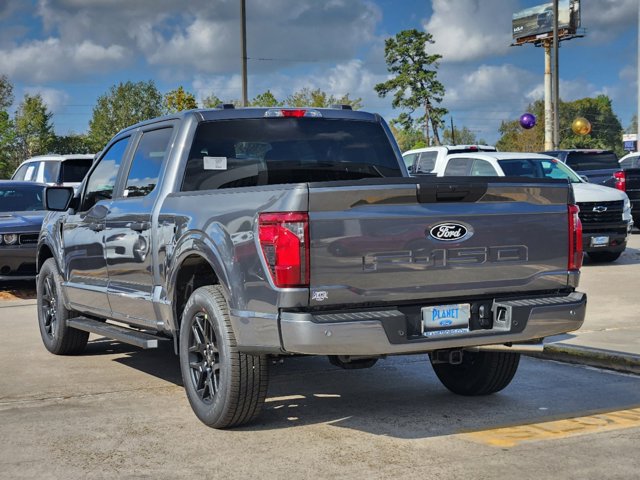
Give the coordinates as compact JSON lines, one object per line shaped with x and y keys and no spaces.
{"x":598,"y":166}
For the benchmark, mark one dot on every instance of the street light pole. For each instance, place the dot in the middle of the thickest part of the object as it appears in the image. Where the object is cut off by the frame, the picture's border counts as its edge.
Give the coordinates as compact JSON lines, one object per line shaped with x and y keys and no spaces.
{"x":556,"y":80}
{"x":243,"y":14}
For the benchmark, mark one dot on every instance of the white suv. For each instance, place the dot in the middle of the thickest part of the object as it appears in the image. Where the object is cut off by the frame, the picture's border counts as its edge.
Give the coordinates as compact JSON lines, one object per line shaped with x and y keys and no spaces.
{"x":429,"y":159}
{"x":66,"y":170}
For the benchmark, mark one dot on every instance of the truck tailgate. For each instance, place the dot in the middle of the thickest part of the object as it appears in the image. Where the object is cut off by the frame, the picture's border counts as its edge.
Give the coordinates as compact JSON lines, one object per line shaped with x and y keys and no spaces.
{"x":395,"y":240}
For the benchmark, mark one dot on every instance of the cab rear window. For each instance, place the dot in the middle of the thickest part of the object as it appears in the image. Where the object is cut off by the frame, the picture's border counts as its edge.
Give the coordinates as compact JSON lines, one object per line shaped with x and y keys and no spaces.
{"x":593,"y":160}
{"x":251,"y":152}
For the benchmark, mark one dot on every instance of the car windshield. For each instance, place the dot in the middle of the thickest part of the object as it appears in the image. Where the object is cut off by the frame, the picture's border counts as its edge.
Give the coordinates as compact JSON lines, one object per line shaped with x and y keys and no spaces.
{"x":22,"y":198}
{"x":538,"y":168}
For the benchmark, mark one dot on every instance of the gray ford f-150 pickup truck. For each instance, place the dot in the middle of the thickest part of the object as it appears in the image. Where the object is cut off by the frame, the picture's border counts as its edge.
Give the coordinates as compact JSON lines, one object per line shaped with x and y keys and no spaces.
{"x":244,"y":234}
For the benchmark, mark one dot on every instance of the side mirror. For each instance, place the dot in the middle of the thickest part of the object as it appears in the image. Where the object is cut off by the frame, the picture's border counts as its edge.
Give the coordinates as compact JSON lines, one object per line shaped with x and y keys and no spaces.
{"x":58,"y":199}
{"x":585,"y":178}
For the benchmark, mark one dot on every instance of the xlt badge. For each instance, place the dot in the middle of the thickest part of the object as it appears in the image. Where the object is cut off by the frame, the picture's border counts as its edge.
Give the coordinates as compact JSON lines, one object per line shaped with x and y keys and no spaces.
{"x":450,"y":232}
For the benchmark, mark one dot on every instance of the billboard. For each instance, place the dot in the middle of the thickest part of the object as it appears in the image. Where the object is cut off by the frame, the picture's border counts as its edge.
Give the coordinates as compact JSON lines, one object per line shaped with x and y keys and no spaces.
{"x":536,"y":22}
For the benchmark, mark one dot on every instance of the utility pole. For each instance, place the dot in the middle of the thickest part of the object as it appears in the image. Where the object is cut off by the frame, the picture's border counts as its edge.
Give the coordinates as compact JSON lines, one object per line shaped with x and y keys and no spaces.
{"x":243,"y":33}
{"x":556,"y":80}
{"x":548,"y":117}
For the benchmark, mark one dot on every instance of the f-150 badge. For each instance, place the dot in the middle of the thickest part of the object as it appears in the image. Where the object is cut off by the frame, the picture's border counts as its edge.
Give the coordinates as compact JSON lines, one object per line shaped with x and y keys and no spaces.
{"x":449,"y":232}
{"x":319,"y":295}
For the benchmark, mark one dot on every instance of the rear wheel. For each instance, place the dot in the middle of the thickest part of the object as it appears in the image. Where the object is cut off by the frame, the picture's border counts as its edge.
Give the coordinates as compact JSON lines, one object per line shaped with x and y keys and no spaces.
{"x":604,"y":257}
{"x":480,"y":373}
{"x":57,"y":337}
{"x":225,"y":387}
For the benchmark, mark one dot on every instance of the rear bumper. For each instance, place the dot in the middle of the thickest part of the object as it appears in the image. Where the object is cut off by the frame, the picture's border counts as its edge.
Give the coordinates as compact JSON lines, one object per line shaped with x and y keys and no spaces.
{"x":382,"y":332}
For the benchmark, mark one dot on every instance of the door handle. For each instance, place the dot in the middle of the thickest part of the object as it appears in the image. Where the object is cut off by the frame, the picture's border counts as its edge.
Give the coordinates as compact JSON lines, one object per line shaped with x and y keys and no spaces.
{"x":139,"y":226}
{"x":96,"y":227}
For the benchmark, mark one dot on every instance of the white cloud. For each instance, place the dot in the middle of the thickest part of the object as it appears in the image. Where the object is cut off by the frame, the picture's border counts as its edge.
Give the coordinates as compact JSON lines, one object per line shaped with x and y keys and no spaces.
{"x":55,"y":100}
{"x":470,"y":29}
{"x":50,"y":59}
{"x":604,"y":19}
{"x":201,"y":36}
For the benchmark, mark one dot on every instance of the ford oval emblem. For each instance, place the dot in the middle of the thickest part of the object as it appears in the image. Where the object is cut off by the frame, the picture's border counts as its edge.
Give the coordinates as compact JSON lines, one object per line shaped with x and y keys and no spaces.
{"x":446,"y":323}
{"x":449,"y":232}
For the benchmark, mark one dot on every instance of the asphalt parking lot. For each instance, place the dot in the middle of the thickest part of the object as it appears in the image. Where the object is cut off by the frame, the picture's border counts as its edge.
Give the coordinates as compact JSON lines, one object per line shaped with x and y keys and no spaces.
{"x":116,"y":411}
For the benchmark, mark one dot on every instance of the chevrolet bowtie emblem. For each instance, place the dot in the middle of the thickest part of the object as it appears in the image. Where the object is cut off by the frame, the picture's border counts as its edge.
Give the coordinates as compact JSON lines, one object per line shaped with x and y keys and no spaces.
{"x":600,"y":209}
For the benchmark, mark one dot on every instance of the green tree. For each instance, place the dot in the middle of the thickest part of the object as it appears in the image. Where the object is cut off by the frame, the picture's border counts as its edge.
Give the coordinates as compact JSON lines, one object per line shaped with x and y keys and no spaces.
{"x":178,"y":100}
{"x":6,"y":93}
{"x":407,"y":139}
{"x":7,"y":130}
{"x":415,"y":84}
{"x":307,"y":97}
{"x":633,"y":126}
{"x":33,"y":127}
{"x":212,"y":101}
{"x":72,"y":143}
{"x":8,"y":158}
{"x":125,"y":104}
{"x":606,"y":128}
{"x":266,"y":99}
{"x":460,"y":136}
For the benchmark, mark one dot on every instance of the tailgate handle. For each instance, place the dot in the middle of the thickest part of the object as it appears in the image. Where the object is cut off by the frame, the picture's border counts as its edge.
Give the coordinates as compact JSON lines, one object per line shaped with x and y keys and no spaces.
{"x":451,"y":192}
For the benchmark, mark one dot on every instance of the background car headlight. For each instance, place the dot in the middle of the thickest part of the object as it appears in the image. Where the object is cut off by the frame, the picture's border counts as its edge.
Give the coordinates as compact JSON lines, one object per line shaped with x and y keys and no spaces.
{"x":627,"y":205}
{"x":10,"y":239}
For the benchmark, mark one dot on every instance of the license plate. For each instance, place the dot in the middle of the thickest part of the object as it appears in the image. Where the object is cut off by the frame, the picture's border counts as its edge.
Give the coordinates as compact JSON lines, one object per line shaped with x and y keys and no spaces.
{"x":439,"y":319}
{"x":599,"y":241}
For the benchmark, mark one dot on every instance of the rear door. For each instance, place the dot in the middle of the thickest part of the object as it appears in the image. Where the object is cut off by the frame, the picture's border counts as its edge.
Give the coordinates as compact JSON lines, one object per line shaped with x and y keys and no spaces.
{"x":128,"y":239}
{"x":394,"y":241}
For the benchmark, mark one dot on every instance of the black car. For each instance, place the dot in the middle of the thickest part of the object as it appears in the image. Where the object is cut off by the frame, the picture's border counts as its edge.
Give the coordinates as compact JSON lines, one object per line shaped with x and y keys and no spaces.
{"x":21,"y":215}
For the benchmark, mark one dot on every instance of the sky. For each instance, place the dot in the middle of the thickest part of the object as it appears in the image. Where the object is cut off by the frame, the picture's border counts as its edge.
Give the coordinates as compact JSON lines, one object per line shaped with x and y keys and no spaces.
{"x":72,"y":51}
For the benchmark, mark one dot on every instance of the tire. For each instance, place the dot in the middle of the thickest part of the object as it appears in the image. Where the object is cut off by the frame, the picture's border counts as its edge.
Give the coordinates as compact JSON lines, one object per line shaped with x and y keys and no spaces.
{"x":480,"y":373}
{"x":226,"y":388}
{"x":57,"y":337}
{"x":604,"y":257}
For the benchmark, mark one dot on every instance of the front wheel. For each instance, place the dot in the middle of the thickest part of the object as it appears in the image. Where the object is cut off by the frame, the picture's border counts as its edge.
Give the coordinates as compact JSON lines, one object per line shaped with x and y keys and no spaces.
{"x":604,"y":257}
{"x":226,"y":388}
{"x":57,"y":337}
{"x":480,"y":373}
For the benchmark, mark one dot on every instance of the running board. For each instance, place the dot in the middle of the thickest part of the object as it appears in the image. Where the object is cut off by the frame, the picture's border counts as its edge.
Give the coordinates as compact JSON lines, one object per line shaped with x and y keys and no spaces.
{"x":116,"y":332}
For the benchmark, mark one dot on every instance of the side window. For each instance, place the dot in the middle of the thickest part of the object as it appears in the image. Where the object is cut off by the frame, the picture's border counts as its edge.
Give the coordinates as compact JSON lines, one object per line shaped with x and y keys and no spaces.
{"x":50,"y":174}
{"x":427,"y":162}
{"x":458,"y":167}
{"x":103,"y":178}
{"x":30,"y":174}
{"x":147,"y":161}
{"x":408,"y":161}
{"x":20,"y":173}
{"x":482,"y":168}
{"x":38,"y":174}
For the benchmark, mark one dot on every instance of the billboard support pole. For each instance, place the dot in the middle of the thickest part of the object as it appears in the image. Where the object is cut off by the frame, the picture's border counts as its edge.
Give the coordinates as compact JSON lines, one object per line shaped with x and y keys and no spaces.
{"x":548,"y":118}
{"x":556,"y":80}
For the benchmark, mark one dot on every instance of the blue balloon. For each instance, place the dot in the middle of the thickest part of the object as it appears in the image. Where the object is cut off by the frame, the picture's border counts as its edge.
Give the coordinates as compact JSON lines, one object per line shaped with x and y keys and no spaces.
{"x":527,"y":120}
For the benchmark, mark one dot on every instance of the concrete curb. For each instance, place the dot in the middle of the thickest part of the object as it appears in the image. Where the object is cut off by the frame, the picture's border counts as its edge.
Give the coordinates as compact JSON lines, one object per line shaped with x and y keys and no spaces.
{"x":17,"y":303}
{"x":594,"y":357}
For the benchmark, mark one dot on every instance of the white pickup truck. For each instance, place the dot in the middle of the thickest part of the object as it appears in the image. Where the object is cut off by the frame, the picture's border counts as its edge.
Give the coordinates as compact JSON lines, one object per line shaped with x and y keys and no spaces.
{"x":605,"y":212}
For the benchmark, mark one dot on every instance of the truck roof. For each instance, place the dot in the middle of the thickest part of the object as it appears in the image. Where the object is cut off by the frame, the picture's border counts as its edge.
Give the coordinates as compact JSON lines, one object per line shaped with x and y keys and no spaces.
{"x":230,"y":112}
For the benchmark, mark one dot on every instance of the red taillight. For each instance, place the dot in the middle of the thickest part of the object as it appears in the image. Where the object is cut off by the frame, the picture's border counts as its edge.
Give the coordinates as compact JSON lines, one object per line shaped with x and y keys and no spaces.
{"x":284,"y":238}
{"x":575,"y":239}
{"x":621,"y":180}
